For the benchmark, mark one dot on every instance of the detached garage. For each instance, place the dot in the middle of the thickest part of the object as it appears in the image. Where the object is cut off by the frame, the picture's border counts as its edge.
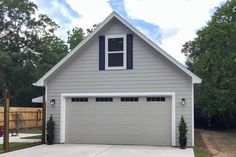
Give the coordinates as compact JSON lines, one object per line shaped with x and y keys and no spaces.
{"x":119,"y":87}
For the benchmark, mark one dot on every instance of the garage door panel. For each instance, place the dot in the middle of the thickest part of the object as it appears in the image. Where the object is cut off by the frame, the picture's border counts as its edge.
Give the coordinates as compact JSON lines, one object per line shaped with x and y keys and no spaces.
{"x":116,"y":122}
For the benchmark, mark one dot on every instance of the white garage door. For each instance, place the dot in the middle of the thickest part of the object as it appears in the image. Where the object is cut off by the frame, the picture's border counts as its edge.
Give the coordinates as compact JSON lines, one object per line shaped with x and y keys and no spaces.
{"x":115,"y":120}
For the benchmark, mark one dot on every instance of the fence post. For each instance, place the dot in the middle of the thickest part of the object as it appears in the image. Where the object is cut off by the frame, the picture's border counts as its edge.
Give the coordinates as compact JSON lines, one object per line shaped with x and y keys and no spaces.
{"x":44,"y":120}
{"x":6,"y":101}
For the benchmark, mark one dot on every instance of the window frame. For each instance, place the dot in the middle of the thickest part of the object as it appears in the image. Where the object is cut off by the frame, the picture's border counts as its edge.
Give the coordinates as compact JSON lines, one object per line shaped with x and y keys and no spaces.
{"x":107,"y":37}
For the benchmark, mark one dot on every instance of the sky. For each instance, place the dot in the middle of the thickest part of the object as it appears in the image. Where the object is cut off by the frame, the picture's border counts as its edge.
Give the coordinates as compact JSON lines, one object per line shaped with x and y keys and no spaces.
{"x":169,"y":23}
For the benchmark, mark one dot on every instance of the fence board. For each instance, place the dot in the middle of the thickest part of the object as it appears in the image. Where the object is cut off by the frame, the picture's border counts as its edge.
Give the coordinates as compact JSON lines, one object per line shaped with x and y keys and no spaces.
{"x":23,"y":117}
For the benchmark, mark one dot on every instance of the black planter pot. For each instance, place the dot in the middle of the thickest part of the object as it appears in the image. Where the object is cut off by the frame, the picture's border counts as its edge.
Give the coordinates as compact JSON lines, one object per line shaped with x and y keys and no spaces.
{"x":182,"y":142}
{"x":50,"y":139}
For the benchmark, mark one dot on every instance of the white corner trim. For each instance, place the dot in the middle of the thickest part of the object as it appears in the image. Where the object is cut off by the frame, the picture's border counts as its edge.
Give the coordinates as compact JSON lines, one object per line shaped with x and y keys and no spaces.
{"x":66,"y":95}
{"x":173,"y":120}
{"x":62,"y":119}
{"x":192,"y":114}
{"x":46,"y":100}
{"x":195,"y":79}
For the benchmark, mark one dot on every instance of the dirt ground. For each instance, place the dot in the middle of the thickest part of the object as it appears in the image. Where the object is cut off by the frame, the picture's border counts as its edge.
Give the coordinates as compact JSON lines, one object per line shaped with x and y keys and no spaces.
{"x":217,"y":143}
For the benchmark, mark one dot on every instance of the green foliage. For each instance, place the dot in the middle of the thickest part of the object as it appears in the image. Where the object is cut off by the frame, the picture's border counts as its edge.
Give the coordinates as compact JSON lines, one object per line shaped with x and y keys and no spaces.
{"x":212,"y":56}
{"x":90,"y":30}
{"x":75,"y":37}
{"x":28,"y":48}
{"x":50,"y":126}
{"x":182,"y":127}
{"x":200,"y":152}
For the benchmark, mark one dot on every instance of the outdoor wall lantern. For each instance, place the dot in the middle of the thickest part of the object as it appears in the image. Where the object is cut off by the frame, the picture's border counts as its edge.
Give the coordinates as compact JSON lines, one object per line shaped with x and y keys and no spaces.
{"x":183,"y":101}
{"x":53,"y":102}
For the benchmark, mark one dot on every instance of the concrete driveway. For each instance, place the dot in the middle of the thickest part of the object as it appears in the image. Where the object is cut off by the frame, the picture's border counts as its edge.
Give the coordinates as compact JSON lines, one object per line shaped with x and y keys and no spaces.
{"x":82,"y":150}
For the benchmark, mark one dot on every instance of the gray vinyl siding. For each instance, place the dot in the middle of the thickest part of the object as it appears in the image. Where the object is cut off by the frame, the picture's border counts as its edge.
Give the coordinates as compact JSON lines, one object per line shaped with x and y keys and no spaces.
{"x":151,"y":73}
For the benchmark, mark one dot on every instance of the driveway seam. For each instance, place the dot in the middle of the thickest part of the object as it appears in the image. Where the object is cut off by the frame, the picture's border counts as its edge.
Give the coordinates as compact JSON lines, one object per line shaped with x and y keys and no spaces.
{"x":103,"y":151}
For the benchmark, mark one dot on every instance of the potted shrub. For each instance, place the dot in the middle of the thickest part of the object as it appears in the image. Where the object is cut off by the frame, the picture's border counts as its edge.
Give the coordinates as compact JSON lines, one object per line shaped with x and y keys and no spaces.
{"x":50,"y":130}
{"x":182,"y":133}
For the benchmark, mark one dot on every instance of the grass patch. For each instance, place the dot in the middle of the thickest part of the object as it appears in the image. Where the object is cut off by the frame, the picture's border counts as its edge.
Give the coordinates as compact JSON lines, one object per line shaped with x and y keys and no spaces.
{"x":33,"y":137}
{"x":19,"y":145}
{"x":31,"y":131}
{"x":200,"y":152}
{"x":234,"y":133}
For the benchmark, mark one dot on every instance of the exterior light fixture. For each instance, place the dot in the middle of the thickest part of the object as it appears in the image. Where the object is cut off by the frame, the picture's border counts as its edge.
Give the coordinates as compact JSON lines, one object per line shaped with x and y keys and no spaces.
{"x":183,"y":101}
{"x":52,"y":102}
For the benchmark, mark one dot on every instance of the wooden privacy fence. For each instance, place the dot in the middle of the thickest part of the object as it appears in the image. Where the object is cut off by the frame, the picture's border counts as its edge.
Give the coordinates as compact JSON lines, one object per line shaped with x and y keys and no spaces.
{"x":23,"y":117}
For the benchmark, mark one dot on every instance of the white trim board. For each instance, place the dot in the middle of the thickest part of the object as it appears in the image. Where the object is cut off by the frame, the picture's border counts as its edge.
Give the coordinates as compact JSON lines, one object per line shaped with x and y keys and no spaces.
{"x":41,"y":81}
{"x":192,"y":114}
{"x":66,"y":95}
{"x":46,"y":110}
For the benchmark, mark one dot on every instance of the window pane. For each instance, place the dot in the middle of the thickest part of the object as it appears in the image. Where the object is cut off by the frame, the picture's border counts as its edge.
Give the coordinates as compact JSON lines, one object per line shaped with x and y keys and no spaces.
{"x":115,"y":59}
{"x":155,"y":98}
{"x":104,"y":99}
{"x":115,"y":44}
{"x":129,"y":99}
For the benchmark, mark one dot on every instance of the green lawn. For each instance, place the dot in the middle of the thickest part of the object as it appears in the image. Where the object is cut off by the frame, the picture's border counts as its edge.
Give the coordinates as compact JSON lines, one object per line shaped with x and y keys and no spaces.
{"x":33,"y":137}
{"x":31,"y":131}
{"x":200,"y":153}
{"x":20,"y":145}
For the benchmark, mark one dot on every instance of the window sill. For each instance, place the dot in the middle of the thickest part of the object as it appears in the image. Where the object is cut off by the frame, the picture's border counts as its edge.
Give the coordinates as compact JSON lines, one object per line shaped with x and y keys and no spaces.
{"x":115,"y":68}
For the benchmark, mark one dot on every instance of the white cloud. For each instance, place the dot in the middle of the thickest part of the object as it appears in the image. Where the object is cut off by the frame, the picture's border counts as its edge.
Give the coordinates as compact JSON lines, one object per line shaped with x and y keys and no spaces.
{"x":91,"y":12}
{"x":178,"y":19}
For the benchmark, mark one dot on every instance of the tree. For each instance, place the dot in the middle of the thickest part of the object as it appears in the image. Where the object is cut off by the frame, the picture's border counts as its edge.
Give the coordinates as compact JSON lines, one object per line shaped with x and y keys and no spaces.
{"x":52,"y":49}
{"x":28,"y":48}
{"x":212,"y":56}
{"x":90,"y":30}
{"x":75,"y":37}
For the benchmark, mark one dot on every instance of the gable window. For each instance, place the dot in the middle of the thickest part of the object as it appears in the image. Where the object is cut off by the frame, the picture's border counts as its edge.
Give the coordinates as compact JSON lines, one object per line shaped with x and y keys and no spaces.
{"x":115,"y":52}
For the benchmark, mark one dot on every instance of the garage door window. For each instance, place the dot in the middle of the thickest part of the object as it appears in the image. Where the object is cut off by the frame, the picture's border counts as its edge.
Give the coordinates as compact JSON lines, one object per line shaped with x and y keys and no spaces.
{"x":79,"y":99}
{"x":129,"y":99}
{"x":155,"y":98}
{"x":104,"y":99}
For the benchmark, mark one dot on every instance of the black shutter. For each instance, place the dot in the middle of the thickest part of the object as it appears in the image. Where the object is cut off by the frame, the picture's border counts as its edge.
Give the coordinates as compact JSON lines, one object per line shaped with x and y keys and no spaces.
{"x":101,"y":52}
{"x":129,"y":51}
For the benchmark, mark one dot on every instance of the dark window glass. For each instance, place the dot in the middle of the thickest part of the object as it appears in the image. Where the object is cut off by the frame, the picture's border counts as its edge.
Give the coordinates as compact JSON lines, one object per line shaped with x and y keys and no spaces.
{"x":129,"y":99}
{"x":104,"y":99}
{"x":163,"y":99}
{"x":115,"y":59}
{"x":115,"y":44}
{"x":79,"y":99}
{"x":155,"y":98}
